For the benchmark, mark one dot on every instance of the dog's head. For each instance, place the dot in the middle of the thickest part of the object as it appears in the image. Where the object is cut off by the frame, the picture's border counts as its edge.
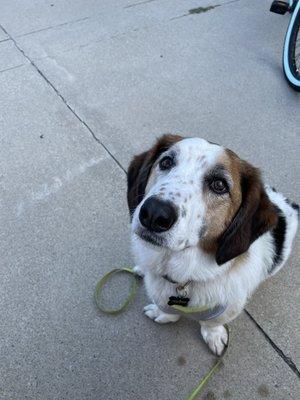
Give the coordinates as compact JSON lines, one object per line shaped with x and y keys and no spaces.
{"x":187,"y":192}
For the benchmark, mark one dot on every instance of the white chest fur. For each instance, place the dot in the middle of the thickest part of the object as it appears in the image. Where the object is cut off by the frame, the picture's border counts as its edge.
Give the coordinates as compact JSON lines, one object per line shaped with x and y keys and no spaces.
{"x":231,"y":283}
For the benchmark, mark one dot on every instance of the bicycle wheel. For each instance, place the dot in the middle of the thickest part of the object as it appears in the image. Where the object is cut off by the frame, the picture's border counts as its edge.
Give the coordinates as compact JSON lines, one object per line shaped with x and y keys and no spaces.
{"x":291,"y":53}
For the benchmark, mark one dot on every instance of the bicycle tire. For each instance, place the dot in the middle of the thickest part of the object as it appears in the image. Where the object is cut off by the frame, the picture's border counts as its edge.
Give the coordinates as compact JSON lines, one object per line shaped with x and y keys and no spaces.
{"x":290,"y":66}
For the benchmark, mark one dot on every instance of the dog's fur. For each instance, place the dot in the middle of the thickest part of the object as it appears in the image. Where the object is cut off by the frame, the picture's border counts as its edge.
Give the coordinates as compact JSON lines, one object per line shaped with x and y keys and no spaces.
{"x":225,"y":244}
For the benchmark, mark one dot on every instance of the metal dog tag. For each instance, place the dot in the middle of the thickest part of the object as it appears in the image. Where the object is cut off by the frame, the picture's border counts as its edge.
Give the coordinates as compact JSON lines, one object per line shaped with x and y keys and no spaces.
{"x":178,"y":301}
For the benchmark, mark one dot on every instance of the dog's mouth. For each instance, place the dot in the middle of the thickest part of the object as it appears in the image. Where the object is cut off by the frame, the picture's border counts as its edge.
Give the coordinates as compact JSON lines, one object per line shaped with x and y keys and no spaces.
{"x":151,"y":238}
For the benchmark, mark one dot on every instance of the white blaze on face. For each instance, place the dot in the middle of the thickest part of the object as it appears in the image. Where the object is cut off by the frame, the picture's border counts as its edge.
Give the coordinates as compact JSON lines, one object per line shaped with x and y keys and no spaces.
{"x":183,"y":186}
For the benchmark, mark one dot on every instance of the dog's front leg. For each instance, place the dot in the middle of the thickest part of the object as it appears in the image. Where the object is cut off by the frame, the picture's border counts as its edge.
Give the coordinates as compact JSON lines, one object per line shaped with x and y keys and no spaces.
{"x":216,"y":337}
{"x":153,"y":312}
{"x":213,"y":331}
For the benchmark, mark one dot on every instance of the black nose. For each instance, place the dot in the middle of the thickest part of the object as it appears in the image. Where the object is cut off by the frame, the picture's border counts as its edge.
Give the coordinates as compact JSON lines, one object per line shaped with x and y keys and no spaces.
{"x":157,"y":215}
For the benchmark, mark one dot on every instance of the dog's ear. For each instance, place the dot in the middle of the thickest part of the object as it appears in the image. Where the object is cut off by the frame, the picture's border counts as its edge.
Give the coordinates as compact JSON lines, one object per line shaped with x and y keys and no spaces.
{"x":137,"y":176}
{"x":140,"y":168}
{"x":255,"y":216}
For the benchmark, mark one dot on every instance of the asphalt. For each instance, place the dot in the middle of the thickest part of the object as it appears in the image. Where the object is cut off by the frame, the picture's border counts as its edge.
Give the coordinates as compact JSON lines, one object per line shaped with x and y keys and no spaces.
{"x":85,"y":85}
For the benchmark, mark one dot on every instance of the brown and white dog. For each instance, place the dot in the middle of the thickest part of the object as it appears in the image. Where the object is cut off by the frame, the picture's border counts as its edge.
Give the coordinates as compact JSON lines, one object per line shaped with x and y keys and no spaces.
{"x":203,"y":221}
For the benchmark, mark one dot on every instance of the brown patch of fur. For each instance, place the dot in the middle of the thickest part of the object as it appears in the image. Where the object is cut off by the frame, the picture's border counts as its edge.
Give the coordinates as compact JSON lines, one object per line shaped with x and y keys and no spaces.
{"x":221,"y":210}
{"x":209,"y":245}
{"x":242,"y":217}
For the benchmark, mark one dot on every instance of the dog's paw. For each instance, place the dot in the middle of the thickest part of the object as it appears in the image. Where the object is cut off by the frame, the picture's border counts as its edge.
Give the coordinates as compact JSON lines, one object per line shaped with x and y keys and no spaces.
{"x":215,"y":337}
{"x":153,"y":312}
{"x":138,"y":271}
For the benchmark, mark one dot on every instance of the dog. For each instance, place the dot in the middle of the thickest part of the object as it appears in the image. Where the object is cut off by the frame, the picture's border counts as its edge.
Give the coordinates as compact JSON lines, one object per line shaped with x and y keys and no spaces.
{"x":205,"y":231}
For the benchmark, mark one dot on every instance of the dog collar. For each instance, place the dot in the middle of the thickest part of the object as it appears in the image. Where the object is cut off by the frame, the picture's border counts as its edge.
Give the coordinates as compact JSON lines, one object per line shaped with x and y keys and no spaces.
{"x":179,"y":305}
{"x":167,"y":278}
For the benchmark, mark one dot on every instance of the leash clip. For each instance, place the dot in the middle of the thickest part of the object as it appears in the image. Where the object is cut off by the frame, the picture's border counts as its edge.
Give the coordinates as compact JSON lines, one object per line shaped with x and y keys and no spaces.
{"x":182,"y":290}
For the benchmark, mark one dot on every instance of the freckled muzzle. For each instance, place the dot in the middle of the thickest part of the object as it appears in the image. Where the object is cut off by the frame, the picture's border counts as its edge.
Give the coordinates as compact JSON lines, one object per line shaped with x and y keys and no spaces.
{"x":157,"y":215}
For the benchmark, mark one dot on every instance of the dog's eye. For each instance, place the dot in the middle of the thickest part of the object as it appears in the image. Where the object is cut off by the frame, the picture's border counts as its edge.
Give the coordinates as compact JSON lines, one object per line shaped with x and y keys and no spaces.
{"x":166,"y":162}
{"x":219,"y":186}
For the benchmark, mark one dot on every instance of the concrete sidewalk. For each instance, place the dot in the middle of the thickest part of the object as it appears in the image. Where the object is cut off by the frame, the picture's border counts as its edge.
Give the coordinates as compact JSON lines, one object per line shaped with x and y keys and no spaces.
{"x":84,"y":86}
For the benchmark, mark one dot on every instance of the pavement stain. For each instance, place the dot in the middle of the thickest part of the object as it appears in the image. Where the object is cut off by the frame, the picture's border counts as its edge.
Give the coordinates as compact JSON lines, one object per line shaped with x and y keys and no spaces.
{"x":227,"y":394}
{"x":263,"y":391}
{"x":181,"y":360}
{"x":47,"y":189}
{"x":200,"y":10}
{"x":197,"y":10}
{"x":210,"y":396}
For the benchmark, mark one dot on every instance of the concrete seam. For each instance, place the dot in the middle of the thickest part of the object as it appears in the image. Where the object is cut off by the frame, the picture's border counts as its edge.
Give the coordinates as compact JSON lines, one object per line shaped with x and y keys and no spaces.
{"x":285,"y":358}
{"x":64,"y":100}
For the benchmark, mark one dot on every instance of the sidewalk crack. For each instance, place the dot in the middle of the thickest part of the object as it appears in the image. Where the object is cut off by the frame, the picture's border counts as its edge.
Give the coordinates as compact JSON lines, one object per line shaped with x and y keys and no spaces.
{"x":53,"y":27}
{"x":10,"y":68}
{"x":64,"y":100}
{"x":138,"y":4}
{"x":285,"y":358}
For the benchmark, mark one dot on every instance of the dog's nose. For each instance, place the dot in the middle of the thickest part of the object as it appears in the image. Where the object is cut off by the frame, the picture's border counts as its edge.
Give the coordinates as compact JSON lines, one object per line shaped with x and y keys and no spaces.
{"x":157,"y":215}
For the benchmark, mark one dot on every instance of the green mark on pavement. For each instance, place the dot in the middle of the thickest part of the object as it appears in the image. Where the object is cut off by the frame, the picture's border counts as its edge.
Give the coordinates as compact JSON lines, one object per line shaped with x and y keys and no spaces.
{"x":200,"y":10}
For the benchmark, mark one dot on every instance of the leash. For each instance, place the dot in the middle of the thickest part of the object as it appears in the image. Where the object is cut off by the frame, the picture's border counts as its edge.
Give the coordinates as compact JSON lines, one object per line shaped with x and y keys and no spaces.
{"x":185,"y":310}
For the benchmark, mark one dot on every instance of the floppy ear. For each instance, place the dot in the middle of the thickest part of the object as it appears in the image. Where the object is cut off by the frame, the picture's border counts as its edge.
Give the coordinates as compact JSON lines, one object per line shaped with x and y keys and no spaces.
{"x":137,"y":177}
{"x":255,"y":216}
{"x":140,"y":168}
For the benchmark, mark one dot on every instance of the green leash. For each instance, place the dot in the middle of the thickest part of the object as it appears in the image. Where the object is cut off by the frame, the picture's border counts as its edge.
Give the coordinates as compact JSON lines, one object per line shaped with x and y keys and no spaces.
{"x":104,"y":280}
{"x":188,"y":310}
